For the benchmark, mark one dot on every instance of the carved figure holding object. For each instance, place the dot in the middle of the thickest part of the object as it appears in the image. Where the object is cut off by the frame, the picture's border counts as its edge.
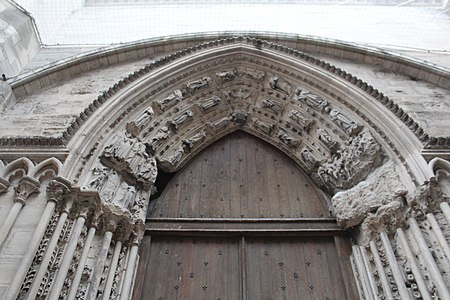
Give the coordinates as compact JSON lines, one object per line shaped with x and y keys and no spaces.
{"x":171,"y":100}
{"x":310,"y":99}
{"x":280,"y":85}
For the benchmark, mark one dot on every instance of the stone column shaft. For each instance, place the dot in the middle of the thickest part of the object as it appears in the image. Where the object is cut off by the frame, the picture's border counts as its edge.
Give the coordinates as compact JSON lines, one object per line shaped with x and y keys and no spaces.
{"x":360,"y":269}
{"x":47,"y":257}
{"x":413,"y":265}
{"x":10,"y":220}
{"x":77,"y":277}
{"x":129,"y":273}
{"x":431,"y":264}
{"x":112,"y":270}
{"x":14,"y":288}
{"x":98,"y":268}
{"x":440,"y":236}
{"x":396,"y":271}
{"x":446,"y":210}
{"x":381,"y":273}
{"x":67,"y":259}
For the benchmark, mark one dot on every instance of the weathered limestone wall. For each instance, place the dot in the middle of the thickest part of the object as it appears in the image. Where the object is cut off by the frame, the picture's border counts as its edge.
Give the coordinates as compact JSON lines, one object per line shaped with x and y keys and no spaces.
{"x":18,"y":39}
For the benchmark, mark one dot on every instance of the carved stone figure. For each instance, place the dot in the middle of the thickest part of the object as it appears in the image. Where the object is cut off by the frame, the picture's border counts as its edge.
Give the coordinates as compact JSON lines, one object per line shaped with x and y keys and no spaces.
{"x":347,"y":124}
{"x":162,"y":134}
{"x":253,"y":74}
{"x":301,"y":119}
{"x":263,"y":126}
{"x":129,"y":155}
{"x":310,"y":99}
{"x":208,"y":103}
{"x":176,"y":155}
{"x":179,"y":120}
{"x":309,"y":158}
{"x":198,"y":84}
{"x":143,"y":120}
{"x":239,"y":95}
{"x":194,"y":140}
{"x":100,"y":174}
{"x":170,"y":100}
{"x":273,"y":105}
{"x":280,"y":85}
{"x":220,"y":123}
{"x":226,"y":75}
{"x":327,"y":139}
{"x":124,"y":195}
{"x":357,"y":159}
{"x":287,"y":140}
{"x":239,"y":117}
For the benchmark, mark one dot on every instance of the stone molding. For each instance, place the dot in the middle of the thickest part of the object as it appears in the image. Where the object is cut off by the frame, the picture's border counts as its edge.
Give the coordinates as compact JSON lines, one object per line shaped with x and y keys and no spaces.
{"x":262,"y":44}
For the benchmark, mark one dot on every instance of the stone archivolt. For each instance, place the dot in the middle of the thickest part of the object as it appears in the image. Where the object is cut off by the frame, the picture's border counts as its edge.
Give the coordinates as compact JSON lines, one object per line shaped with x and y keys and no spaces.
{"x":166,"y":124}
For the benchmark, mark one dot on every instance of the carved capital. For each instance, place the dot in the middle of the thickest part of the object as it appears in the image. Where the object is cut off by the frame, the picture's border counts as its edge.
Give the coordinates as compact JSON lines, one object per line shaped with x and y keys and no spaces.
{"x":4,"y":185}
{"x":426,"y":199}
{"x":58,"y":189}
{"x":27,"y":186}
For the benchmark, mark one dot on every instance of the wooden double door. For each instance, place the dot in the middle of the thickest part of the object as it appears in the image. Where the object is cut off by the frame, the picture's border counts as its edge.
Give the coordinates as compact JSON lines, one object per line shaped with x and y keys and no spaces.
{"x":242,"y":221}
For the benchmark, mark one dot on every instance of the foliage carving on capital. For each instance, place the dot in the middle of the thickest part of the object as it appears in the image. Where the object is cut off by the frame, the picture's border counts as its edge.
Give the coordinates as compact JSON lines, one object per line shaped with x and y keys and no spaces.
{"x":426,"y":199}
{"x":27,"y":186}
{"x":58,"y":190}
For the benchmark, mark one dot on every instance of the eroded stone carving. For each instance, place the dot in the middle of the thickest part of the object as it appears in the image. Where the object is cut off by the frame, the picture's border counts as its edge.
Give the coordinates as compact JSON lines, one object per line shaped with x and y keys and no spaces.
{"x":194,"y":140}
{"x":176,"y":156}
{"x":171,"y":100}
{"x":426,"y":199}
{"x":382,"y":187}
{"x":198,"y":84}
{"x":208,"y":103}
{"x":225,"y":76}
{"x":263,"y":126}
{"x":273,"y":105}
{"x":347,"y":124}
{"x":161,"y":135}
{"x":309,"y":158}
{"x":327,"y":139}
{"x":301,"y":119}
{"x":130,"y":157}
{"x":238,"y":95}
{"x":280,"y":85}
{"x":287,"y":139}
{"x":239,"y":117}
{"x":220,"y":123}
{"x":253,"y":74}
{"x":352,"y":164}
{"x":310,"y":99}
{"x":100,"y":175}
{"x":136,"y":126}
{"x":178,"y":121}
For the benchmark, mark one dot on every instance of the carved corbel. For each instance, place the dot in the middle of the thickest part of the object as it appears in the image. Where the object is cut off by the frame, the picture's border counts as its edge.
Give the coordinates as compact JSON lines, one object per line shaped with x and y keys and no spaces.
{"x":4,"y":185}
{"x":27,"y":186}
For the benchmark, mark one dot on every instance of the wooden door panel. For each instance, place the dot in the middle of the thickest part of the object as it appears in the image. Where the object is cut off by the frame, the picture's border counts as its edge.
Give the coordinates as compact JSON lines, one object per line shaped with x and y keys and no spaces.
{"x":294,"y":268}
{"x":191,"y":268}
{"x":240,"y":176}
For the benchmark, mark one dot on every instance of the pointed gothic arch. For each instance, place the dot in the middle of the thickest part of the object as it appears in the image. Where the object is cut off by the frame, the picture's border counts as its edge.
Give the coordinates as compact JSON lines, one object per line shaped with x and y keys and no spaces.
{"x":163,"y":115}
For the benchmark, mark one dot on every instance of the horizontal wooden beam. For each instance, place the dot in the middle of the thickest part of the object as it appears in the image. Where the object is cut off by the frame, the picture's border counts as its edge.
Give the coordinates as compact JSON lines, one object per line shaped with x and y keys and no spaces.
{"x":239,"y":227}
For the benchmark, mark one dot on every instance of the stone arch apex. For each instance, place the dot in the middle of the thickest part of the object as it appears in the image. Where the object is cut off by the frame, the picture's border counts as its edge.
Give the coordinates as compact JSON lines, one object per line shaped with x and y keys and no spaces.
{"x":180,"y":103}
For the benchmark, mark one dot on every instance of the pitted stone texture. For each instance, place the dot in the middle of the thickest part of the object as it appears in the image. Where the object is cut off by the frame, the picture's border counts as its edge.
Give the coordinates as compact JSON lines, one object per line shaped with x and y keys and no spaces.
{"x":49,"y":111}
{"x":428,"y":105}
{"x":382,"y":187}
